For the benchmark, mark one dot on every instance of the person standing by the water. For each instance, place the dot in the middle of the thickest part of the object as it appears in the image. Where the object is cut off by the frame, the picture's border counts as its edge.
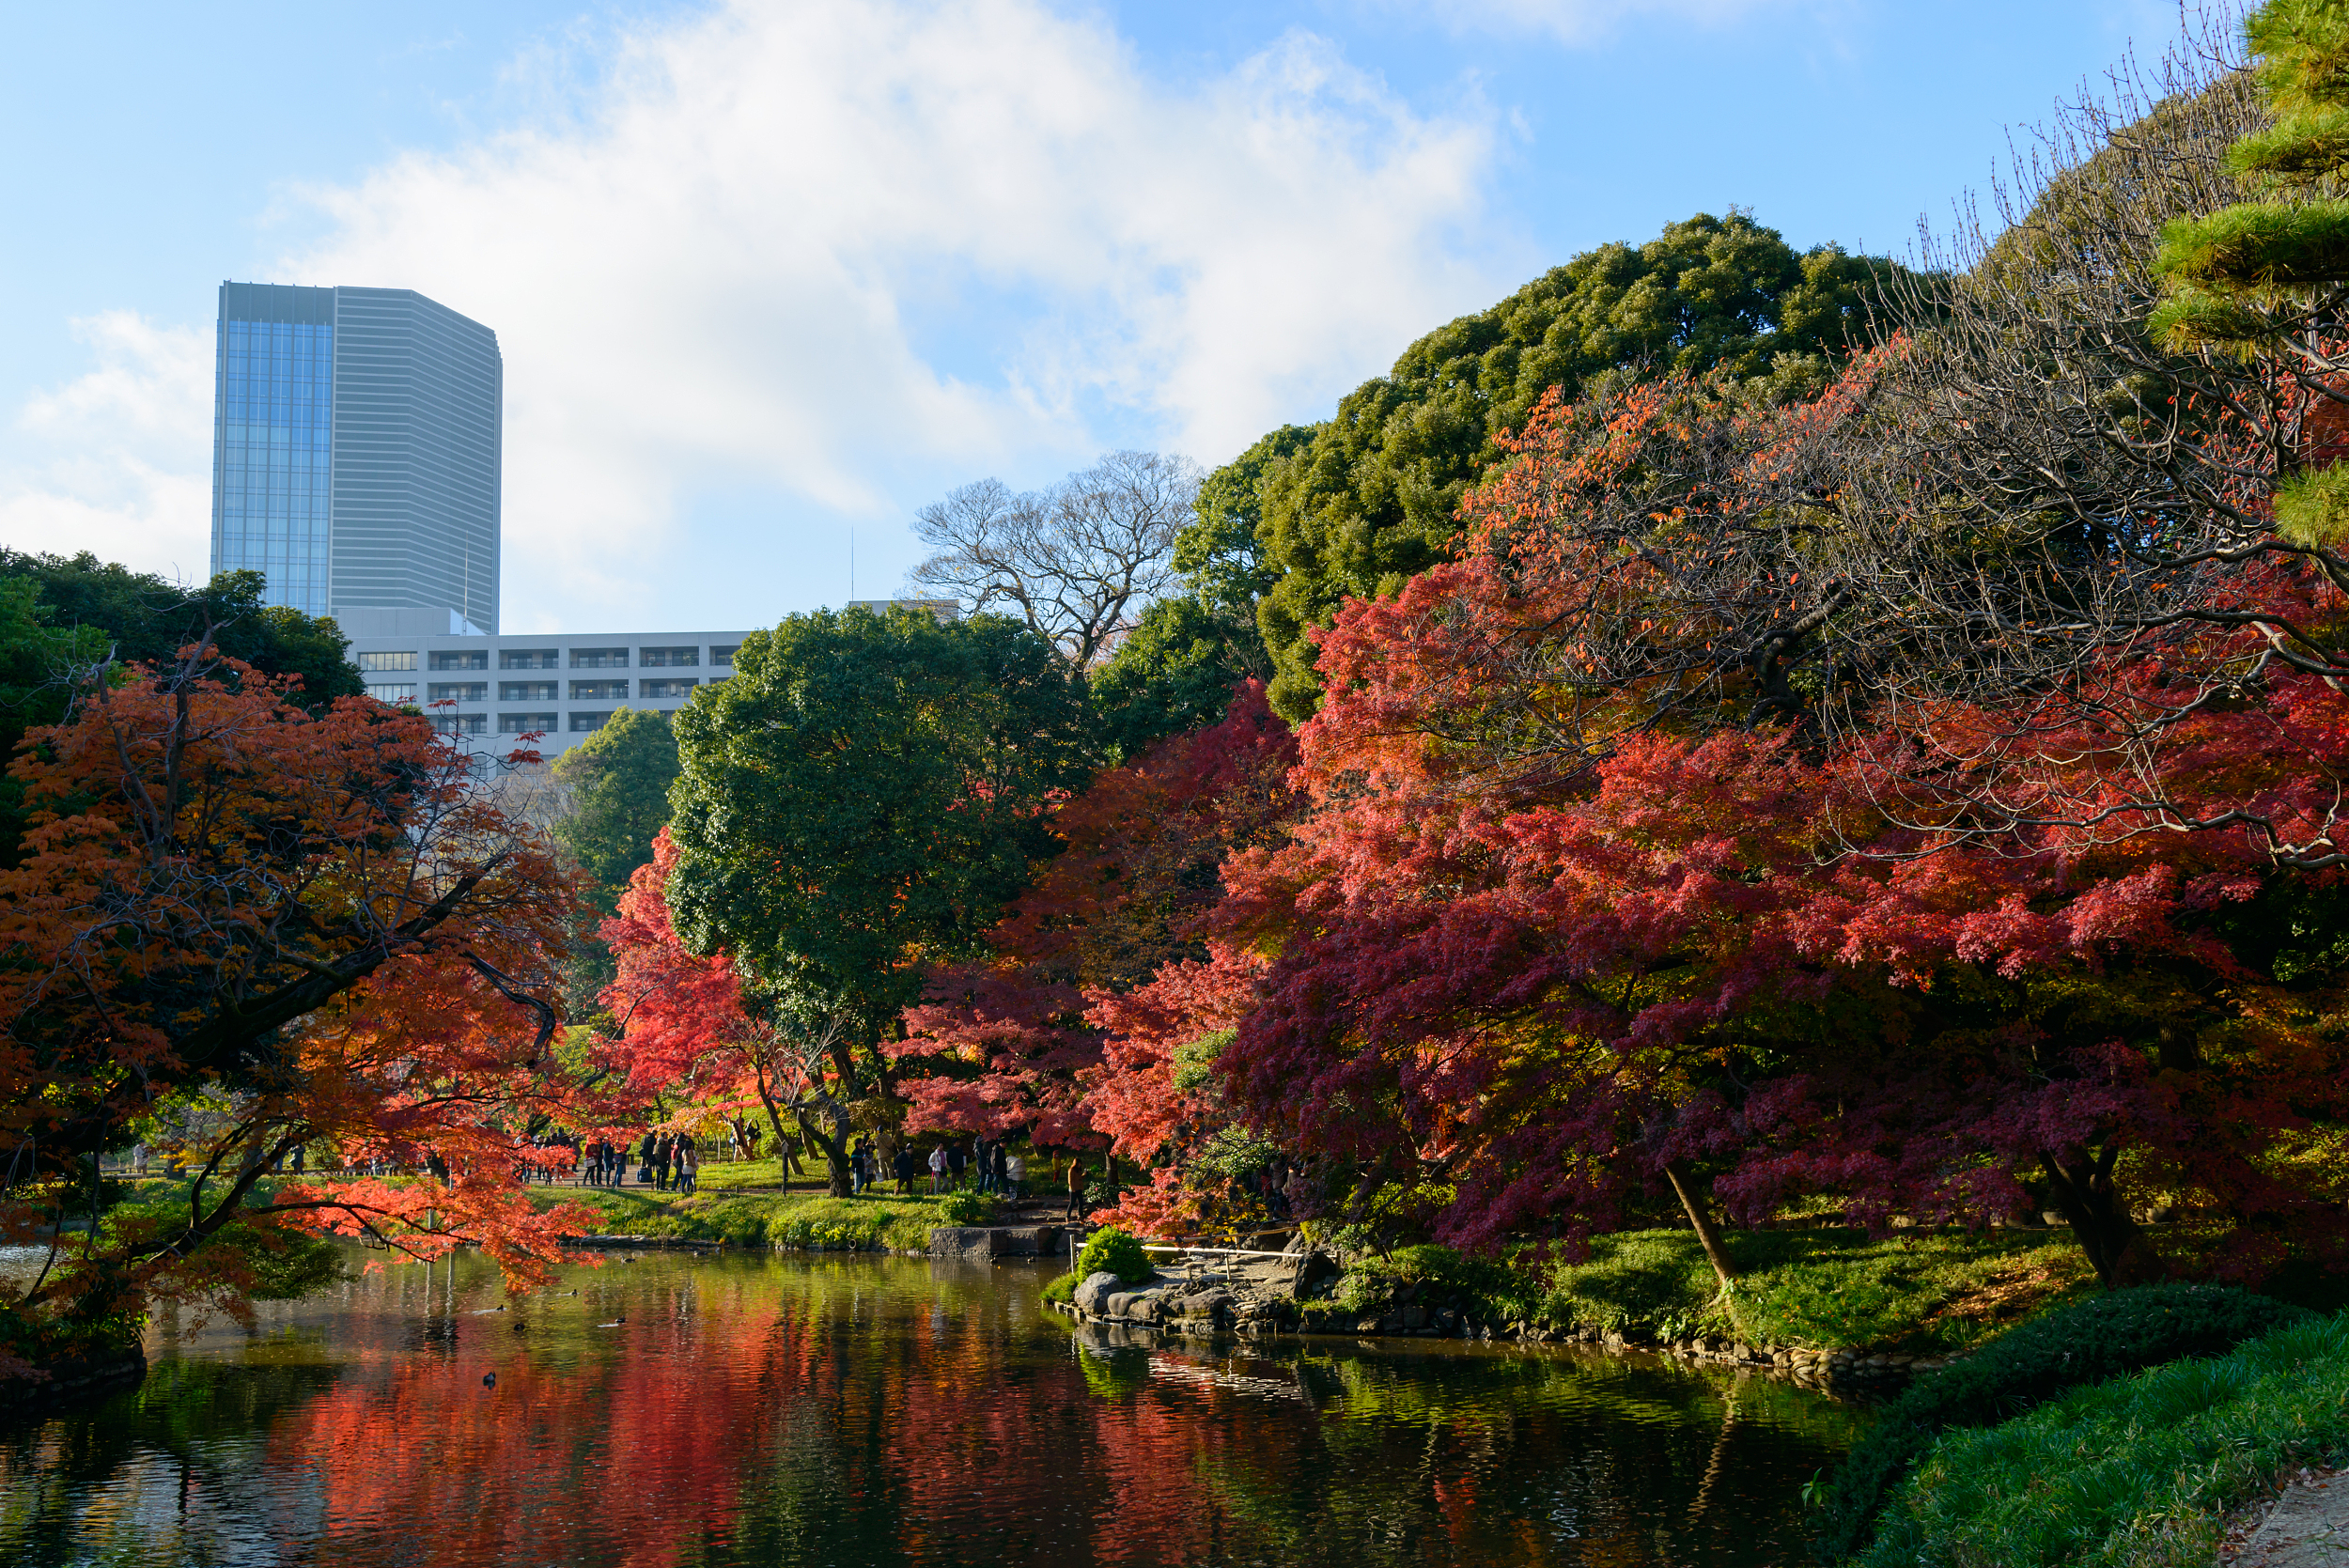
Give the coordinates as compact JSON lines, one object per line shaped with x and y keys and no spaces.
{"x":905,"y":1169}
{"x":998,"y":1168}
{"x":860,"y":1157}
{"x":937,"y":1169}
{"x":1014,"y":1172}
{"x":956,"y":1159}
{"x":1076,"y":1187}
{"x":689,"y":1166}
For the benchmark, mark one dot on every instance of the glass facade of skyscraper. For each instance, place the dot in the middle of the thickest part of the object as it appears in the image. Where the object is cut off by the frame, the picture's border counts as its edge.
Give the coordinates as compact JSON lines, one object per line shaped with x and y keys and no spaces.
{"x":356,"y":451}
{"x":273,"y":447}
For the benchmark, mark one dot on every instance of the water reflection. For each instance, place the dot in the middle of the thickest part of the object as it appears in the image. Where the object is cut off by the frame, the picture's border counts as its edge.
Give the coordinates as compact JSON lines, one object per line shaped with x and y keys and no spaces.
{"x":674,"y":1411}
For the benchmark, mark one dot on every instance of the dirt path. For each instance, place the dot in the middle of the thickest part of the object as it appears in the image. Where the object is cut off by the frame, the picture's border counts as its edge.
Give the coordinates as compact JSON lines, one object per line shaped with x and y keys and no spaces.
{"x":2308,"y":1527}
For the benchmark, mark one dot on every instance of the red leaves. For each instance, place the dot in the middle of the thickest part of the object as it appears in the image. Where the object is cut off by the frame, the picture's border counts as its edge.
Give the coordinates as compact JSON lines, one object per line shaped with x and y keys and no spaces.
{"x":1017,"y":1044}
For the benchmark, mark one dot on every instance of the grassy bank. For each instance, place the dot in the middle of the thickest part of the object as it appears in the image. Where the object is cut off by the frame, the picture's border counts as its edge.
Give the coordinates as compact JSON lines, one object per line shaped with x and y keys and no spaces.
{"x":760,"y":1218}
{"x":1917,"y":1292}
{"x":2133,"y":1473}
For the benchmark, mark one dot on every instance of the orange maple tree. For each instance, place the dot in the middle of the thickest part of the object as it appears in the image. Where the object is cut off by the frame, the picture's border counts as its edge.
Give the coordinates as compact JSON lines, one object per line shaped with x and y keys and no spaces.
{"x":238,"y":929}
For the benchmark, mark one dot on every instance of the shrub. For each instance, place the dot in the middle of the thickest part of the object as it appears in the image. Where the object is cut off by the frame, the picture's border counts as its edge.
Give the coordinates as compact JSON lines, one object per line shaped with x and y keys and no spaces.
{"x":965,"y":1207}
{"x":1062,"y":1288}
{"x":1113,"y":1250}
{"x":2102,"y":1338}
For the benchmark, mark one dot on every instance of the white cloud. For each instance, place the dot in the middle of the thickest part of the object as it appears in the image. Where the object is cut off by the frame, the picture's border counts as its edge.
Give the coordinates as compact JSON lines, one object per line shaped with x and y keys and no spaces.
{"x":847,"y":252}
{"x":118,"y":460}
{"x":782,"y":267}
{"x":1584,"y":22}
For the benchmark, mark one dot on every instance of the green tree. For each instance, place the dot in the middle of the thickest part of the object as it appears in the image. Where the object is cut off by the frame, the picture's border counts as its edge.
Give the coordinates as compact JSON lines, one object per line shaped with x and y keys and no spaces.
{"x":619,"y":780}
{"x":1369,"y":500}
{"x":2259,"y":278}
{"x":1177,"y":668}
{"x":861,"y":798}
{"x":148,"y":620}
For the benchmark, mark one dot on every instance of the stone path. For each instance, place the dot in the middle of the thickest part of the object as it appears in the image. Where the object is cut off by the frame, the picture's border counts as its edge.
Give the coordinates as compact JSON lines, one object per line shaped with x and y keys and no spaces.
{"x":2307,"y":1527}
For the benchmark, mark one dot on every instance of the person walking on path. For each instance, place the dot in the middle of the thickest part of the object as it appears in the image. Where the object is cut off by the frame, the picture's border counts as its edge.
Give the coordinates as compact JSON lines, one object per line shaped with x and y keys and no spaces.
{"x":957,"y":1158}
{"x":689,"y":1167}
{"x":938,"y":1168}
{"x":644,"y":1155}
{"x":1014,"y":1172}
{"x":1076,"y":1189}
{"x":905,"y":1169}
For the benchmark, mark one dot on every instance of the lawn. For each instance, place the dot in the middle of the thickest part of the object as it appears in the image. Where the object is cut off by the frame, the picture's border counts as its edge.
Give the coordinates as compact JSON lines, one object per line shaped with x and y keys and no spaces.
{"x":1916,"y":1291}
{"x":806,"y":1217}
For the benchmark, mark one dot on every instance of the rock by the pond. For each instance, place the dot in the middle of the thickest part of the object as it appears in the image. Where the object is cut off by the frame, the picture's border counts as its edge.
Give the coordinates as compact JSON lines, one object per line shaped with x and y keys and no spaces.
{"x":1093,"y":1294}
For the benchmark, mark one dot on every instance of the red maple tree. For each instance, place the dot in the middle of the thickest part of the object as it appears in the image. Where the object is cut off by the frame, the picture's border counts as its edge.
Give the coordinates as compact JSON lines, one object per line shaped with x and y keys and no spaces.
{"x":1583,"y":906}
{"x":1009,"y":1044}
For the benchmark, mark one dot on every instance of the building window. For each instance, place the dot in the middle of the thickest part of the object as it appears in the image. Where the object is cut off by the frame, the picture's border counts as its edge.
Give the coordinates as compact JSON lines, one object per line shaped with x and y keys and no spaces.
{"x":459,"y":690}
{"x":597,"y":690}
{"x":598,"y":658}
{"x":669,"y":658}
{"x":525,"y":723}
{"x":403,"y":661}
{"x":402,"y":692}
{"x":462,"y":659}
{"x":673,"y":687}
{"x":527,"y":691}
{"x":462,"y":723}
{"x":530,"y":658}
{"x":588,"y":721}
{"x":723,"y":657}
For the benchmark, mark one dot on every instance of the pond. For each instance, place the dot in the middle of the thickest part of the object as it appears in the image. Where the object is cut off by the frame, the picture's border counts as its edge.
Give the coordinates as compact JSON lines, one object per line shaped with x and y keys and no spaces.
{"x":828,"y":1409}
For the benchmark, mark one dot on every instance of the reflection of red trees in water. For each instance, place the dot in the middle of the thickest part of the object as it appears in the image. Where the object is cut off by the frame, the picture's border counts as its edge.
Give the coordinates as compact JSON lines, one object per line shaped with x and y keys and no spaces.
{"x":846,"y":1415}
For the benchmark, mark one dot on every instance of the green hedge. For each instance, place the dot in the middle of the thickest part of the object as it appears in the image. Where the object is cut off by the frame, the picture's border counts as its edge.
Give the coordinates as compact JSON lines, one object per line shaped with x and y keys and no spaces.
{"x":2105,"y":1337}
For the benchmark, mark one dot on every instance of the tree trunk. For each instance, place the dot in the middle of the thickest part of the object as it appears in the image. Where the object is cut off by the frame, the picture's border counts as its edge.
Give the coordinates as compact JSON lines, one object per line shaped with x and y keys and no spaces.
{"x":1709,"y":1237}
{"x":2085,"y":1193}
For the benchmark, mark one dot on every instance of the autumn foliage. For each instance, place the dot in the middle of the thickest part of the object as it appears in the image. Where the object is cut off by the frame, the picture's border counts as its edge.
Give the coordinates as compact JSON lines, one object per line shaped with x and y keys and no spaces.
{"x":1580,"y":901}
{"x":240,"y":928}
{"x":1022,"y":1041}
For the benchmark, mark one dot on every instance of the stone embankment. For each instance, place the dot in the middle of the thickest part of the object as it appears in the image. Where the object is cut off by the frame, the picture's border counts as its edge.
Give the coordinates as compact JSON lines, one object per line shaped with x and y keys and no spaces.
{"x":1198,"y":1306}
{"x":981,"y":1242}
{"x":1303,"y":1295}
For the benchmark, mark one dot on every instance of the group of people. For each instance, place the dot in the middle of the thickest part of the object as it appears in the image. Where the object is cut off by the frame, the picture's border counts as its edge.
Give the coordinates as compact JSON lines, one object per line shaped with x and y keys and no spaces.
{"x":669,"y":1161}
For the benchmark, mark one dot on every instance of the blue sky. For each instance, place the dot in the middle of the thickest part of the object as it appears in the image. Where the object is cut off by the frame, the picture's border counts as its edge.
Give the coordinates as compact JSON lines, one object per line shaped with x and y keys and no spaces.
{"x":769,"y":276}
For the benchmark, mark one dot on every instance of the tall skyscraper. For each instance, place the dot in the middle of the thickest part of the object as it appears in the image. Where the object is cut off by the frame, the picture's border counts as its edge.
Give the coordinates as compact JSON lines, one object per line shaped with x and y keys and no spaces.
{"x":356,"y":451}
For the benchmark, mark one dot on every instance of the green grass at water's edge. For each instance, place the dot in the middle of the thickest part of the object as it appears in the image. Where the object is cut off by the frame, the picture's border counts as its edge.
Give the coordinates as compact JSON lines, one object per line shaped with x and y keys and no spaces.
{"x":2137,"y":1472}
{"x":1916,"y":1291}
{"x":757,"y":1219}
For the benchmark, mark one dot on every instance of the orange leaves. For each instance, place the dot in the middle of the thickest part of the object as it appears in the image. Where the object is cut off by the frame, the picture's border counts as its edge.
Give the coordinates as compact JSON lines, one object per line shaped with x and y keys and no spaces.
{"x":273,"y":929}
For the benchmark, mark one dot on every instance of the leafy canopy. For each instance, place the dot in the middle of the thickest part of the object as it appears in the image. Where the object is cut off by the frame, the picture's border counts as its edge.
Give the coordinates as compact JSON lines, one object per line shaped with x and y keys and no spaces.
{"x":620,"y":779}
{"x":1371,"y":500}
{"x":866,"y":793}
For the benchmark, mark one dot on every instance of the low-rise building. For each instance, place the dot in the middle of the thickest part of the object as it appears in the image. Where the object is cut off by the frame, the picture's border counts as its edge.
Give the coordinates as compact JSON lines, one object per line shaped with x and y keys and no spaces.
{"x":486,"y":692}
